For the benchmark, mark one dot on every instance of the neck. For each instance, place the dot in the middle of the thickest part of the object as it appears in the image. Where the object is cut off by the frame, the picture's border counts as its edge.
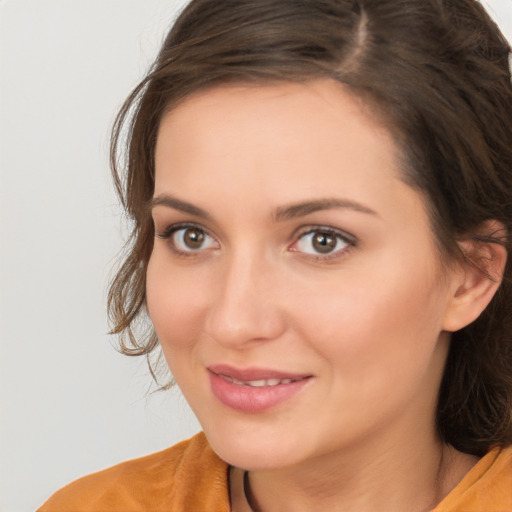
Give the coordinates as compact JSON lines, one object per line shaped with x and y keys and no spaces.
{"x":391,"y":478}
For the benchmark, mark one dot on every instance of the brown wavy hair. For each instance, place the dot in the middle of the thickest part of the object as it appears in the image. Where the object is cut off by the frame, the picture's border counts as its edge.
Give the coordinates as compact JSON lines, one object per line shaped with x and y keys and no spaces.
{"x":436,"y":72}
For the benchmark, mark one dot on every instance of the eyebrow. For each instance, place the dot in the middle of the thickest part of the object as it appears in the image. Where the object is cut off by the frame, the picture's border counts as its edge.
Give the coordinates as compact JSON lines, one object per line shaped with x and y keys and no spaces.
{"x":178,"y":204}
{"x":281,"y":213}
{"x":305,"y":208}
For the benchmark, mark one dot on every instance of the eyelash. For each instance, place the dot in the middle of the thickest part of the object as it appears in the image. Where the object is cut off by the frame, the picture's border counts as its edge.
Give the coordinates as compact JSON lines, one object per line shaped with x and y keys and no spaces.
{"x":170,"y":231}
{"x":338,"y":235}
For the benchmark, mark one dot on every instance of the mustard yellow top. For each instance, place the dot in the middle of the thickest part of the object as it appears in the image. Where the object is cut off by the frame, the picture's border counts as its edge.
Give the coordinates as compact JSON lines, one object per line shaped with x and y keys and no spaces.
{"x":190,"y":477}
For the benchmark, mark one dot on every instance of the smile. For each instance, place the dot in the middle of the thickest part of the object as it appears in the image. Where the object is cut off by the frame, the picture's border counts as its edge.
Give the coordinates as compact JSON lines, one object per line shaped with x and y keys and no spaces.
{"x":254,"y":390}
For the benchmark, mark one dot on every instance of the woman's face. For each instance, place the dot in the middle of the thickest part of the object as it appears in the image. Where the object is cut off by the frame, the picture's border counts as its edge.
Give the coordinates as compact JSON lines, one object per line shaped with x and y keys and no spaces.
{"x":294,"y":282}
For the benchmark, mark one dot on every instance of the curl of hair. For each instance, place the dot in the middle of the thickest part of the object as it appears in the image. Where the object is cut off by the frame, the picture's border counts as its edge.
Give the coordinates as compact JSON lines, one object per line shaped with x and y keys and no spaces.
{"x":435,"y":72}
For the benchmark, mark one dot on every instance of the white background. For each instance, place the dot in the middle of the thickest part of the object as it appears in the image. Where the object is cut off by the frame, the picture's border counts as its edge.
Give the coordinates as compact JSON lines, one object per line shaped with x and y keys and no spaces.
{"x":70,"y":404}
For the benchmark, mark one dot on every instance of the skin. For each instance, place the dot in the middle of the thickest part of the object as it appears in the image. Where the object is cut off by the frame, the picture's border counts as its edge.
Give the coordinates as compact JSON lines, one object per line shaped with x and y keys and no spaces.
{"x":368,"y":321}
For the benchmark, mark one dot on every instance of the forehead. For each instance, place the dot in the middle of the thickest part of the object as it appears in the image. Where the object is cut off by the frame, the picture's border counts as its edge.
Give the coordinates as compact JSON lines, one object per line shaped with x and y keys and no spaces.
{"x":291,"y":127}
{"x":324,"y":100}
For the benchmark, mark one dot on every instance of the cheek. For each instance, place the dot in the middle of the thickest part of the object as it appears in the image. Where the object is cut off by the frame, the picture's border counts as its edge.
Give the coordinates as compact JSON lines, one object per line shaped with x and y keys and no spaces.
{"x":176,"y":303}
{"x":371,"y":323}
{"x":379,"y":347}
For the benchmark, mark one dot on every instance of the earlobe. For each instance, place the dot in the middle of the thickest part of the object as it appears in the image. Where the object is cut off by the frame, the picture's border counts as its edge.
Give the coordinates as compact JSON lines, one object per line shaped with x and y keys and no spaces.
{"x":478,"y":278}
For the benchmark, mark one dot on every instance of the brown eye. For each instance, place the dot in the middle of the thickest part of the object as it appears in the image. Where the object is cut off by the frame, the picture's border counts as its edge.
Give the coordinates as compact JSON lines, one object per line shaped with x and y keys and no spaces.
{"x":189,"y":239}
{"x":324,"y":242}
{"x":193,"y":238}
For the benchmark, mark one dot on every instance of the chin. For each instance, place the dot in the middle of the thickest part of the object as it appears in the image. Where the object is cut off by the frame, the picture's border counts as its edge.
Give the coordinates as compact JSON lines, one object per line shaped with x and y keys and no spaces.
{"x":253,"y":458}
{"x":255,"y":448}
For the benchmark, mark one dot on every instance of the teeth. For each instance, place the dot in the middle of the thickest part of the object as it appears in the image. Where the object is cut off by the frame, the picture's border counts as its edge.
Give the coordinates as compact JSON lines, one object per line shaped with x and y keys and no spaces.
{"x":257,"y":383}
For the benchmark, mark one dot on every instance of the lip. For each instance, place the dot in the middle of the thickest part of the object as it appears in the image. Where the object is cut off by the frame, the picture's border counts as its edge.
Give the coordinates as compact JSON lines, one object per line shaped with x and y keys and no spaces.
{"x":227,"y":384}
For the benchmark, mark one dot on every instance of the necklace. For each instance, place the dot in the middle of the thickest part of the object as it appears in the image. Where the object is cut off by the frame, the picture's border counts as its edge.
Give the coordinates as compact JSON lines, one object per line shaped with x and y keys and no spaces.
{"x":251,"y":506}
{"x":247,"y":493}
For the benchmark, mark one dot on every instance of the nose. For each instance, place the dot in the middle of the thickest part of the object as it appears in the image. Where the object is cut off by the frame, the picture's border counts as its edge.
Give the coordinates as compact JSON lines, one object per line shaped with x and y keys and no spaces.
{"x":246,"y":306}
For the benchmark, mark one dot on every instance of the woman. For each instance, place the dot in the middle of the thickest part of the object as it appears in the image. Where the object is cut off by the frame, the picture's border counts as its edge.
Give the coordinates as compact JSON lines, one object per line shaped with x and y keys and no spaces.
{"x":322,"y":200}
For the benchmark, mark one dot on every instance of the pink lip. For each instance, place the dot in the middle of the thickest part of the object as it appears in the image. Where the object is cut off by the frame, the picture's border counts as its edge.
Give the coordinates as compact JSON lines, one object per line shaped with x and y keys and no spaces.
{"x":249,"y":399}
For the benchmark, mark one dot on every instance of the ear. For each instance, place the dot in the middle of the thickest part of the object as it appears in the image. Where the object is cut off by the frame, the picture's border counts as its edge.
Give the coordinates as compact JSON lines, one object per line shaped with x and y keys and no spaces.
{"x":478,"y":277}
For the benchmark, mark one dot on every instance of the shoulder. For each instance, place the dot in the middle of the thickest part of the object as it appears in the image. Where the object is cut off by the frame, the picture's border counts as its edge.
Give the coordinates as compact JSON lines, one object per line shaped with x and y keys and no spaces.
{"x":187,"y":476}
{"x":486,"y":488}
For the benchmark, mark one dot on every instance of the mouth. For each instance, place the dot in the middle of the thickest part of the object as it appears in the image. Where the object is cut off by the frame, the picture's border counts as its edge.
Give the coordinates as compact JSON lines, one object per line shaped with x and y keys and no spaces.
{"x":254,"y":390}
